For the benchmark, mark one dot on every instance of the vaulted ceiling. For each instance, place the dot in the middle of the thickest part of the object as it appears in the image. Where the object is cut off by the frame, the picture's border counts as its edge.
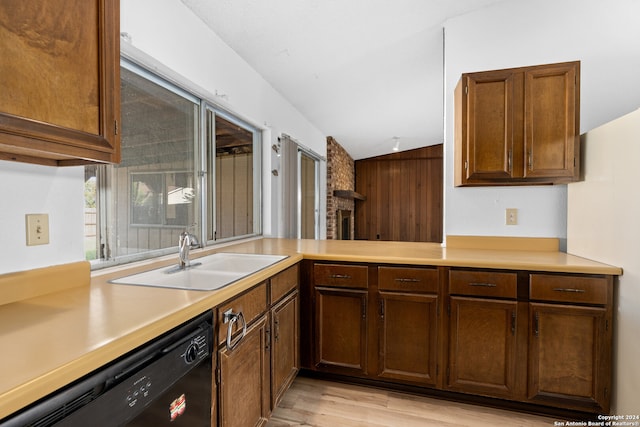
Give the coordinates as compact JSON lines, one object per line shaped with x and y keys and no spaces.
{"x":362,"y":71}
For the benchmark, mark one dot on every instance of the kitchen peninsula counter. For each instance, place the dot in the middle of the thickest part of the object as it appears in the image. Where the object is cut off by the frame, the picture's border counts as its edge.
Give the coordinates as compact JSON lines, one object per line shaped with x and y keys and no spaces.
{"x":53,"y":331}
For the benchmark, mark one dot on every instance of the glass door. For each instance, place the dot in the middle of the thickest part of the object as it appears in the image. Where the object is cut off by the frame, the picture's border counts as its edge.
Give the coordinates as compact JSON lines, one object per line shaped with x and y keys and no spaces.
{"x":308,"y":196}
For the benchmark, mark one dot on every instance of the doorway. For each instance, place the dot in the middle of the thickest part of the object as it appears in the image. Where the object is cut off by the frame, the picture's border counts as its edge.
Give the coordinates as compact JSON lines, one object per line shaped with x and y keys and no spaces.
{"x":308,"y":195}
{"x":301,"y":190}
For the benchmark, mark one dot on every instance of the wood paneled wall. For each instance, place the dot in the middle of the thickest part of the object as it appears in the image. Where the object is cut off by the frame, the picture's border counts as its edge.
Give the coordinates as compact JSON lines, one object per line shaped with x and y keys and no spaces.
{"x":403,"y":196}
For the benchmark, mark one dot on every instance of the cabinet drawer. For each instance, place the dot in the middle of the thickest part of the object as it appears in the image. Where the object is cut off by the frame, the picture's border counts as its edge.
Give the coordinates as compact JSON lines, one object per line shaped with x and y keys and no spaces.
{"x":408,"y":279}
{"x":342,"y":276}
{"x":282,"y":283}
{"x":587,"y":290}
{"x":483,"y":283}
{"x":252,"y":305}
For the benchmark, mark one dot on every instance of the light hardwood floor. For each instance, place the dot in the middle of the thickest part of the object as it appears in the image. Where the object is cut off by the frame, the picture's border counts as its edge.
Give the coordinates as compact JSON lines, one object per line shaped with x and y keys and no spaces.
{"x":311,"y":402}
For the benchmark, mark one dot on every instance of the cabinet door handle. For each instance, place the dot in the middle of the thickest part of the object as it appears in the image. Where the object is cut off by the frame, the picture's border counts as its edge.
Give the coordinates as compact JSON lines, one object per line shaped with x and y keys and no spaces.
{"x":339,"y":276}
{"x":536,"y":325}
{"x":382,"y":308}
{"x":267,"y":339}
{"x":577,"y":291}
{"x":513,"y":323}
{"x":483,"y":285}
{"x":276,"y":332}
{"x":364,"y":308}
{"x":530,"y":160}
{"x":509,"y":161}
{"x":231,"y":318}
{"x":407,"y":280}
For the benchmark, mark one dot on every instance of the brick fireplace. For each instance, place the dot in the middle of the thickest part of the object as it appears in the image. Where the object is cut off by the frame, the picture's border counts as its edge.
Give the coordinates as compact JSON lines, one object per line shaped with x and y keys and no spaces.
{"x":344,"y":230}
{"x":340,"y":192}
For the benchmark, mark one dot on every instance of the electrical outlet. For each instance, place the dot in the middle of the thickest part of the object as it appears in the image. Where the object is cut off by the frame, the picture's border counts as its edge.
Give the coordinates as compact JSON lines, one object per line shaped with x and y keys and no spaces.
{"x":37,"y":229}
{"x":512,"y":216}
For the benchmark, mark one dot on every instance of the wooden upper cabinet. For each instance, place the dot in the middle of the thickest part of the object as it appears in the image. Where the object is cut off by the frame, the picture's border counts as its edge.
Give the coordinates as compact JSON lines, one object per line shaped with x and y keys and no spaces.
{"x":489,"y":126}
{"x":551,"y":107}
{"x":60,"y":81}
{"x":518,"y":126}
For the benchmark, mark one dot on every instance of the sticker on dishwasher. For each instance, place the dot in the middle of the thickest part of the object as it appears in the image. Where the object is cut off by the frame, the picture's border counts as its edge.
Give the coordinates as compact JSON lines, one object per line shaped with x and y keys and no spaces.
{"x":177,"y":407}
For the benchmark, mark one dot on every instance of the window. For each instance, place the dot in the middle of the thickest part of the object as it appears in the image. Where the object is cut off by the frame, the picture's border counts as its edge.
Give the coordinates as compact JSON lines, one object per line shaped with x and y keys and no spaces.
{"x":176,"y":169}
{"x":231,"y":155}
{"x":161,"y":198}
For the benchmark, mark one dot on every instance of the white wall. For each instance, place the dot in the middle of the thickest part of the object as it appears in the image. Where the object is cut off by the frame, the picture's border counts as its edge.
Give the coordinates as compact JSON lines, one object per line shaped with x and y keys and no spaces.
{"x":602,"y":216}
{"x":167,"y":36}
{"x":27,"y":189}
{"x":604,"y":224}
{"x":604,"y":36}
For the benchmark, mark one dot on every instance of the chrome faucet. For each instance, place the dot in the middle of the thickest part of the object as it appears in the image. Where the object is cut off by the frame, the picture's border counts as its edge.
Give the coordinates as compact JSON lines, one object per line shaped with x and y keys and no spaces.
{"x":186,"y":242}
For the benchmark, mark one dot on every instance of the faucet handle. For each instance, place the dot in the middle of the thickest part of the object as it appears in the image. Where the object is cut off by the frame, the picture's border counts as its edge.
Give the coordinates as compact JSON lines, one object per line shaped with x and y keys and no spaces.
{"x":193,"y":241}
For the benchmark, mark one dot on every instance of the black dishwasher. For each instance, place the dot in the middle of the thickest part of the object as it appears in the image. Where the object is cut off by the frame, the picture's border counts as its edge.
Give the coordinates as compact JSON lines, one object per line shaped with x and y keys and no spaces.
{"x":164,"y":382}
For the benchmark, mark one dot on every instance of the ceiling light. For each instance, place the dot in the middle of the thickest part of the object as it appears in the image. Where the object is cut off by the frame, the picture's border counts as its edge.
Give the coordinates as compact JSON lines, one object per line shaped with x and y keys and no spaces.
{"x":396,"y":143}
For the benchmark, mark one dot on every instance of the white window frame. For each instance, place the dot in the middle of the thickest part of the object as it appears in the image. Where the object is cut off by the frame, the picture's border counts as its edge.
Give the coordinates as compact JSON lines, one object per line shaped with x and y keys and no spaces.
{"x":182,"y":87}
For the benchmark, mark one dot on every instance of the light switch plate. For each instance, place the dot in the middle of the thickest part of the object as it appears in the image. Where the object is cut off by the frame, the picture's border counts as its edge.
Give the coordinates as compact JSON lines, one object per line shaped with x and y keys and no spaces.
{"x":512,"y":216}
{"x":37,"y":229}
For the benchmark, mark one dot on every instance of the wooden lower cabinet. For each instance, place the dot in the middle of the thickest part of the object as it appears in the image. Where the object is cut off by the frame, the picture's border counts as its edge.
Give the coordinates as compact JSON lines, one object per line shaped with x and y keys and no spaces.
{"x":482,"y":346}
{"x":408,"y":337}
{"x":258,"y":360}
{"x":530,"y":340}
{"x":570,"y":341}
{"x":285,"y":346}
{"x":243,"y":389}
{"x":569,"y":361}
{"x":408,"y":324}
{"x":341,"y":330}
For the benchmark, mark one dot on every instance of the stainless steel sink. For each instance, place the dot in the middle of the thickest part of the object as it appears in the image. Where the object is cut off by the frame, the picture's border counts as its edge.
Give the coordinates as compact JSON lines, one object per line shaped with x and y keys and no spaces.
{"x":205,"y":274}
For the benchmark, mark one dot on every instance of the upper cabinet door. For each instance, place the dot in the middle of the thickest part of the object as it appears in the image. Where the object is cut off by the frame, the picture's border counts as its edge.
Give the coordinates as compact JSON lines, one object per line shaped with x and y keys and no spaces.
{"x":551,"y":121}
{"x":518,"y":126}
{"x":60,"y":81}
{"x":489,"y":128}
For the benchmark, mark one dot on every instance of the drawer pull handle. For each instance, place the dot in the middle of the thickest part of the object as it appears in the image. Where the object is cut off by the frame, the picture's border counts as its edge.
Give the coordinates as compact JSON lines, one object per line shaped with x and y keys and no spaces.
{"x":576,"y":291}
{"x":340,"y":276}
{"x":407,"y":280}
{"x":483,"y":285}
{"x":231,"y":318}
